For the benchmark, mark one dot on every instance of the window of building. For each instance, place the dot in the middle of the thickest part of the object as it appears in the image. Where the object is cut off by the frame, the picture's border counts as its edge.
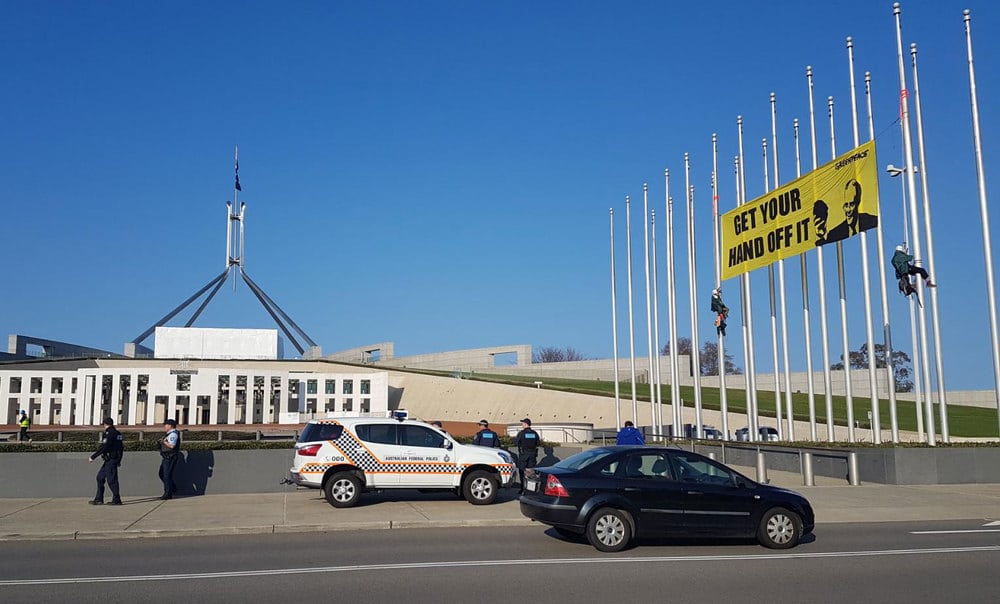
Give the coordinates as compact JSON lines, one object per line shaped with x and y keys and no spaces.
{"x":15,"y":385}
{"x":311,"y":386}
{"x":57,"y":385}
{"x":36,"y":385}
{"x":348,"y":404}
{"x":348,"y":386}
{"x":366,"y":386}
{"x":366,"y":405}
{"x":72,"y":385}
{"x":331,"y":386}
{"x":184,"y":383}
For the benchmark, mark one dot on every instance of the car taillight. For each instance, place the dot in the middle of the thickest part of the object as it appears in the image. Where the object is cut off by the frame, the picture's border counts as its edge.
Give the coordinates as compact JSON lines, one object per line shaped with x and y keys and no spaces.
{"x":309,"y":451}
{"x":554,"y":488}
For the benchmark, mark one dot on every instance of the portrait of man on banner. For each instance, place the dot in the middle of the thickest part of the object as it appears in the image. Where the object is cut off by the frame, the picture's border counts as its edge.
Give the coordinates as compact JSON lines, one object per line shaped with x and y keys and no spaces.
{"x":855,"y":220}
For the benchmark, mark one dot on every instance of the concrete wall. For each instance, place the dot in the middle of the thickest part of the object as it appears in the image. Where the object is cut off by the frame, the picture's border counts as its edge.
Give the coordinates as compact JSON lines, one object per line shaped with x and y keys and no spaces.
{"x":25,"y":475}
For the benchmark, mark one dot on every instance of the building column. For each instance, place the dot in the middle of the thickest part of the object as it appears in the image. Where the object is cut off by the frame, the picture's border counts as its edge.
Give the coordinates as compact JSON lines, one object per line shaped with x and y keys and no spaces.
{"x":133,"y":399}
{"x":232,"y":399}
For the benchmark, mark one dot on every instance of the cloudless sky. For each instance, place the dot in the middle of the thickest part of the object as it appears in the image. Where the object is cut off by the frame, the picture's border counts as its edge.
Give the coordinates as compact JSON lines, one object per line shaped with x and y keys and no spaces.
{"x":439,"y":174}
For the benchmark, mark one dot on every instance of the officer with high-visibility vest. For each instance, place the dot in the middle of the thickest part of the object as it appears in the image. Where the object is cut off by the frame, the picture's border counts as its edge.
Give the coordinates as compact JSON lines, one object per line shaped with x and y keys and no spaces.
{"x":24,"y":421}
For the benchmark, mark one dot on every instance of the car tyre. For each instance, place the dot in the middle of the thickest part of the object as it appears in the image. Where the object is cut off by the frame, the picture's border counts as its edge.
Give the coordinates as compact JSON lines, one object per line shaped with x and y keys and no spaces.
{"x":481,"y":488}
{"x":779,"y":529}
{"x":342,"y":490}
{"x":610,"y":530}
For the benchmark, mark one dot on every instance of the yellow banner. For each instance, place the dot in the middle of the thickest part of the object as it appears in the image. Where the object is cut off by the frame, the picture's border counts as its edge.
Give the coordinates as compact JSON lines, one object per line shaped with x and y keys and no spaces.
{"x":829,"y":204}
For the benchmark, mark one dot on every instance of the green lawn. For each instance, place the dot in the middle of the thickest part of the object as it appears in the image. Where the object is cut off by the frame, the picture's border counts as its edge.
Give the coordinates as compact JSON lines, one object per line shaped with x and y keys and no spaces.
{"x":962,"y":421}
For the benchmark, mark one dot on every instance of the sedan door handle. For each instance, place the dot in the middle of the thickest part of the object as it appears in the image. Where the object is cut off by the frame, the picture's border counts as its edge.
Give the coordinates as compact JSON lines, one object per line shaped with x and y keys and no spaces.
{"x":694,"y":493}
{"x":633,"y":490}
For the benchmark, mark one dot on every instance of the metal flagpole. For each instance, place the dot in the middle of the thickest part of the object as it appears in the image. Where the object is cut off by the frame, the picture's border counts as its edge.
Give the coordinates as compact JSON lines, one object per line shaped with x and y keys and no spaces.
{"x":876,"y":423}
{"x":721,"y":346}
{"x":752,"y":409}
{"x":983,"y":212}
{"x":693,"y":296}
{"x":843,"y":300}
{"x":614,"y":324}
{"x":649,"y":310}
{"x":789,"y":411}
{"x":748,"y":391}
{"x":935,"y":320}
{"x":824,"y":335}
{"x":883,"y":287}
{"x":631,"y":324}
{"x":675,"y":371}
{"x":234,"y":245}
{"x":774,"y":315}
{"x":911,"y":185}
{"x":807,"y":327}
{"x":658,"y":400}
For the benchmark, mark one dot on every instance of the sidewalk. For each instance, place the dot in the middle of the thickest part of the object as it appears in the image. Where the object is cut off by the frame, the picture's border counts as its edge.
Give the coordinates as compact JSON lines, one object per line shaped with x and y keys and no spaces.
{"x":305,"y":510}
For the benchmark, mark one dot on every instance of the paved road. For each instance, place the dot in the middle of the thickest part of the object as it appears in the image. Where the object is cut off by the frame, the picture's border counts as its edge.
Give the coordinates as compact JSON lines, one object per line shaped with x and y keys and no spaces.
{"x":900,"y":561}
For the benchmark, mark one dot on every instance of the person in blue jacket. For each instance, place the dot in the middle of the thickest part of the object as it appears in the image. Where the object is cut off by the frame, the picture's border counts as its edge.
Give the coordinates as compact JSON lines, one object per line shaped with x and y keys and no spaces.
{"x":486,"y":437}
{"x":630,"y":435}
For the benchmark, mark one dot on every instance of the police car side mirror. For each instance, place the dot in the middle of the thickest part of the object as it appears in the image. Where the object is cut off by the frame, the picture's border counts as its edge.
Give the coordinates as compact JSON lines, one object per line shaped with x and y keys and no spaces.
{"x":446,"y":444}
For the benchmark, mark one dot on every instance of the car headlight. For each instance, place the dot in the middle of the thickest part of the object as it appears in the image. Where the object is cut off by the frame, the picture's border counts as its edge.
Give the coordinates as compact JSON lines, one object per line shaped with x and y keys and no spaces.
{"x":505,"y":456}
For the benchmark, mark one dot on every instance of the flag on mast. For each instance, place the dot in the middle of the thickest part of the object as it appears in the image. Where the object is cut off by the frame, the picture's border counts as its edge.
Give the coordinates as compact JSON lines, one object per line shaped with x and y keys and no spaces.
{"x":237,"y":160}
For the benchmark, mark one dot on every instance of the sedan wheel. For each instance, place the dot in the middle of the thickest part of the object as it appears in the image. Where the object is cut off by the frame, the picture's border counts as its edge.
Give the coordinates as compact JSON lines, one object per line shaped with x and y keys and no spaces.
{"x":779,"y":529}
{"x":610,"y":530}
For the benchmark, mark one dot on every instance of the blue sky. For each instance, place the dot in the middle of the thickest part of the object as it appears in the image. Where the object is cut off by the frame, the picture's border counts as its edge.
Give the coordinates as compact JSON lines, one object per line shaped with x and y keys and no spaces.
{"x":439,"y":174}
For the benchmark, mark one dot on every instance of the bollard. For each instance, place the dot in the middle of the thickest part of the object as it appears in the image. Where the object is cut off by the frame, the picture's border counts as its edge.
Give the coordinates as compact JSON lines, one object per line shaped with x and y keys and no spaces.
{"x":220,"y":436}
{"x":808,"y":478}
{"x":258,"y":435}
{"x":711,"y":455}
{"x":761,"y":467}
{"x":852,"y":469}
{"x":59,"y":436}
{"x":142,"y":435}
{"x":723,"y":451}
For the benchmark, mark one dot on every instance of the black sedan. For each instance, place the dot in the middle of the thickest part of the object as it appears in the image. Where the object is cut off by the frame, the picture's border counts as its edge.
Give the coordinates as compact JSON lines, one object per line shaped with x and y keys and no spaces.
{"x":614,"y":494}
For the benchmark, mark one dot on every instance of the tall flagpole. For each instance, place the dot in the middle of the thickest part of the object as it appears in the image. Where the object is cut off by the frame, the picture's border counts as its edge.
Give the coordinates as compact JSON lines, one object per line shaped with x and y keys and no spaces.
{"x":983,"y":212}
{"x":693,"y":296}
{"x":876,"y":423}
{"x":649,"y":310}
{"x":883,"y":286}
{"x":789,"y":410}
{"x":918,"y":392}
{"x":843,"y":300}
{"x":747,"y":385}
{"x":935,"y":320}
{"x":721,"y":346}
{"x":774,"y":315}
{"x":631,"y":322}
{"x":657,"y":401}
{"x":675,"y":371}
{"x":911,"y":186}
{"x":614,"y":324}
{"x":752,"y":409}
{"x":807,"y":326}
{"x":235,"y":245}
{"x":827,"y":381}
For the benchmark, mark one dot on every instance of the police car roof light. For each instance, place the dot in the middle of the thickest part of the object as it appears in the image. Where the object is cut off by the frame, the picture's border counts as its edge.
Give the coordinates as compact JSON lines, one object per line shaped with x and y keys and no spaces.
{"x":400,"y":415}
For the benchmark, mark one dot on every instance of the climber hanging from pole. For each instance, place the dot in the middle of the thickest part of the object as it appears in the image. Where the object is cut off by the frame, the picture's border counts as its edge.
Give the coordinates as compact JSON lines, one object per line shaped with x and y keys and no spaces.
{"x":721,"y":311}
{"x":903,"y":263}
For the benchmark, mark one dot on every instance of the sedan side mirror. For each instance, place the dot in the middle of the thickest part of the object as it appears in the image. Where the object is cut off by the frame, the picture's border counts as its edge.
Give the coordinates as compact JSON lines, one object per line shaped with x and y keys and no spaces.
{"x":446,"y":444}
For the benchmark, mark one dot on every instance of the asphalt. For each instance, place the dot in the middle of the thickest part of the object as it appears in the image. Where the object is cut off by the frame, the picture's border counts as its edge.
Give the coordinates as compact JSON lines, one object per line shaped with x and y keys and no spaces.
{"x":305,"y":510}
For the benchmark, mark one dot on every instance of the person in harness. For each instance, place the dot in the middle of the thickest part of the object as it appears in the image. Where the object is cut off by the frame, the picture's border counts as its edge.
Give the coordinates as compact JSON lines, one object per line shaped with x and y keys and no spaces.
{"x":111,"y":451}
{"x":721,"y":311}
{"x":902,"y":262}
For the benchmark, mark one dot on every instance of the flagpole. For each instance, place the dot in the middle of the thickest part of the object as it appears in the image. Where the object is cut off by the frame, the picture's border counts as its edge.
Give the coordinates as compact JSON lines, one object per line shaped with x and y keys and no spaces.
{"x":649,"y":310}
{"x":789,"y":410}
{"x":658,"y":402}
{"x":752,"y":409}
{"x":614,"y":324}
{"x":743,"y":309}
{"x":876,"y":423}
{"x":935,"y":319}
{"x":631,"y":322}
{"x":675,"y":370}
{"x":236,"y":192}
{"x":774,"y":314}
{"x":693,"y":296}
{"x":883,"y":287}
{"x":721,"y":346}
{"x":911,"y":186}
{"x":983,"y":211}
{"x":807,"y":326}
{"x":824,"y":334}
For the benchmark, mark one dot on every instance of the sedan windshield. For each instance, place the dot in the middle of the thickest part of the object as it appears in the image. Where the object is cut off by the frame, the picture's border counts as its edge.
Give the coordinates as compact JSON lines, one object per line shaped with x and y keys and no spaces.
{"x":582,"y":460}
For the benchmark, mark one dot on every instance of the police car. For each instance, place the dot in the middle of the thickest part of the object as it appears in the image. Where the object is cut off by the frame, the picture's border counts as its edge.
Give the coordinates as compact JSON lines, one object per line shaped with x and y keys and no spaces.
{"x":348,"y":456}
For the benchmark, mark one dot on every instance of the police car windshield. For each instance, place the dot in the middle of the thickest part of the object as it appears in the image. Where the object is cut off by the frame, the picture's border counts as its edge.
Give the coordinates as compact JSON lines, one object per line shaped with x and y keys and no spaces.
{"x":315,"y":432}
{"x":582,"y":460}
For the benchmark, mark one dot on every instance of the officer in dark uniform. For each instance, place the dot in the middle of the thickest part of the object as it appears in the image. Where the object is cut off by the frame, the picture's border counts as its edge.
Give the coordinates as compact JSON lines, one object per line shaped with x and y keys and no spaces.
{"x":527,"y":441}
{"x":486,"y":437}
{"x":110,"y":451}
{"x":170,"y":451}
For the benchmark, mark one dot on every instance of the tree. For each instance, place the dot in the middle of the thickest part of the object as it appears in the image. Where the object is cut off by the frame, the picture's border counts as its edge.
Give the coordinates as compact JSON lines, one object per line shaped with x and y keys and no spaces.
{"x":900,"y":363}
{"x":708,"y":356}
{"x":551,"y":354}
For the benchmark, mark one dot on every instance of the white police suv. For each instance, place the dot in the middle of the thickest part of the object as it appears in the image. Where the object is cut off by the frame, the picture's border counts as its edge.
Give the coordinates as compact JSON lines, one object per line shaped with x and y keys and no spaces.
{"x":350,"y":455}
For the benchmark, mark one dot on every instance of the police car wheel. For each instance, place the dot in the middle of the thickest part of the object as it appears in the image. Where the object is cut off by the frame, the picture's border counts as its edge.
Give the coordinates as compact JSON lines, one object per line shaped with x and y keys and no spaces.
{"x":342,"y":490}
{"x":609,"y":530}
{"x":481,"y":488}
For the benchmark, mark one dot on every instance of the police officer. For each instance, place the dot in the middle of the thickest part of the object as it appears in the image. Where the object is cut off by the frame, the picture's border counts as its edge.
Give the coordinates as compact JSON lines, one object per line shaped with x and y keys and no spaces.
{"x":486,"y":437}
{"x":110,"y":451}
{"x":24,"y":422}
{"x":170,"y":452}
{"x":527,"y":448}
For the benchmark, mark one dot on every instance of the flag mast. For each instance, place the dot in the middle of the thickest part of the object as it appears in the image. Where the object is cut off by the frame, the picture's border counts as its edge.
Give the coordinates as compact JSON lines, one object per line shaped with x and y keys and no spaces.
{"x":789,"y":411}
{"x":721,"y":346}
{"x":774,"y":314}
{"x":657,"y":401}
{"x":649,"y":310}
{"x":693,"y":296}
{"x":752,"y":414}
{"x":807,"y":326}
{"x":675,"y":371}
{"x":631,"y":322}
{"x":614,"y":324}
